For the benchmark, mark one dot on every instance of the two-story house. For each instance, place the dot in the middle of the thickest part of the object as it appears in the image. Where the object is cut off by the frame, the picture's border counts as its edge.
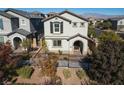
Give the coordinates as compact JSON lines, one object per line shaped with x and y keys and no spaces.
{"x":18,"y":25}
{"x":66,"y":32}
{"x":117,"y":24}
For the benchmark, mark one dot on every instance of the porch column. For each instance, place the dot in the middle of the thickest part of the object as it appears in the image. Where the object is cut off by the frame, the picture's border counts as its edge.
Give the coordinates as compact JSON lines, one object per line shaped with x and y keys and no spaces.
{"x":34,"y":44}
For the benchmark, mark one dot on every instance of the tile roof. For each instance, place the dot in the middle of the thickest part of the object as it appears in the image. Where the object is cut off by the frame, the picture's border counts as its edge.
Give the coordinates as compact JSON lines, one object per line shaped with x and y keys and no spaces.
{"x":6,"y":14}
{"x":66,"y":11}
{"x":25,"y":14}
{"x":116,"y":18}
{"x":20,"y":31}
{"x":87,"y":38}
{"x":56,"y":15}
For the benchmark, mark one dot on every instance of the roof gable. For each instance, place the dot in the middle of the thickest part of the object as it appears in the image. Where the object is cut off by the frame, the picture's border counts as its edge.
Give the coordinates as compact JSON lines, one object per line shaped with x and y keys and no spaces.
{"x":25,"y":14}
{"x":20,"y":31}
{"x":73,"y":14}
{"x":19,"y":12}
{"x":48,"y":18}
{"x":87,"y":38}
{"x":6,"y":15}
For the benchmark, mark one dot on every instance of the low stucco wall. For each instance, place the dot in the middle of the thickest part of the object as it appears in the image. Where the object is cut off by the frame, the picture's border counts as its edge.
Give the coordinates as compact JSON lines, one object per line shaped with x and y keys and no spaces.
{"x":67,"y":46}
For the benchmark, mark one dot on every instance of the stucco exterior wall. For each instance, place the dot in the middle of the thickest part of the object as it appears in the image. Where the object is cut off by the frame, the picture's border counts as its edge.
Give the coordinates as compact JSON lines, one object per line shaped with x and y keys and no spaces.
{"x":67,"y":46}
{"x":81,"y":30}
{"x":26,"y":26}
{"x":66,"y":28}
{"x":68,"y":31}
{"x":15,"y":35}
{"x":84,"y":41}
{"x":64,"y":48}
{"x":7,"y":28}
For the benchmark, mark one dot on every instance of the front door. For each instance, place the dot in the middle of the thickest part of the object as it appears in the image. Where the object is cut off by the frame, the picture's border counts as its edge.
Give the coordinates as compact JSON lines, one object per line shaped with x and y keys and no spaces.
{"x":78,"y":47}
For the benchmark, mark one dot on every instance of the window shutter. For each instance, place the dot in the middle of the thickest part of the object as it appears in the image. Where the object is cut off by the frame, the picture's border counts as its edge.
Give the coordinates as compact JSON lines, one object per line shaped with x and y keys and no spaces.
{"x":51,"y":27}
{"x":61,"y":27}
{"x":1,"y":24}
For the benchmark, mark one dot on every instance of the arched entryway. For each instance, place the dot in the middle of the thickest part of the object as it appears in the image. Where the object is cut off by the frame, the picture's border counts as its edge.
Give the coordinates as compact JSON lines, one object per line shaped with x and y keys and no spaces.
{"x":78,"y":47}
{"x":17,"y":42}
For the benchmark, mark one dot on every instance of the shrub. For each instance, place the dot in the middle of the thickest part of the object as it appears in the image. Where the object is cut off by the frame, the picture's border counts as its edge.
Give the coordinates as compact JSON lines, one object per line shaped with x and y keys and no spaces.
{"x":65,"y":58}
{"x":7,"y":63}
{"x":66,"y":73}
{"x":26,"y":56}
{"x":80,"y":74}
{"x":60,"y":52}
{"x":49,"y":66}
{"x":27,"y":44}
{"x":107,"y":63}
{"x":25,"y":72}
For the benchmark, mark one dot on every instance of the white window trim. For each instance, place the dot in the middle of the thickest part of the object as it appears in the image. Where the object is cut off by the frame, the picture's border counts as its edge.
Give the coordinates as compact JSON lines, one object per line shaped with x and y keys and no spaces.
{"x":54,"y":28}
{"x":57,"y":46}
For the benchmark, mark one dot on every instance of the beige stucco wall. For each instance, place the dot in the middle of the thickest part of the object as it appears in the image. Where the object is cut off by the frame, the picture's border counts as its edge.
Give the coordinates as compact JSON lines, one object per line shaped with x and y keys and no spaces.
{"x":27,"y":21}
{"x":6,"y":25}
{"x":15,"y":35}
{"x":68,"y":31}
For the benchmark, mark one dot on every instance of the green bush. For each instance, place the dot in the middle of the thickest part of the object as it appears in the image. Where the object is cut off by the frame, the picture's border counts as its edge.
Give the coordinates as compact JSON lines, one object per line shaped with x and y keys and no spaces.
{"x":66,"y":73}
{"x":25,"y":72}
{"x":80,"y":74}
{"x":26,"y":56}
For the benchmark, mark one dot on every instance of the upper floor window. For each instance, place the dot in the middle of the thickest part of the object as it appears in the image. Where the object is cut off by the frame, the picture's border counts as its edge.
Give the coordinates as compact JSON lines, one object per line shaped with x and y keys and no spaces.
{"x":74,"y":24}
{"x":1,"y":24}
{"x":57,"y":27}
{"x":81,"y":24}
{"x":23,"y":22}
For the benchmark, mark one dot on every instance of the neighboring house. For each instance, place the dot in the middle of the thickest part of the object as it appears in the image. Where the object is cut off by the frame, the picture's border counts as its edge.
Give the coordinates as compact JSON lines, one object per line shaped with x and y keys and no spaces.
{"x":118,"y":24}
{"x":66,"y":32}
{"x":7,"y":25}
{"x":16,"y":25}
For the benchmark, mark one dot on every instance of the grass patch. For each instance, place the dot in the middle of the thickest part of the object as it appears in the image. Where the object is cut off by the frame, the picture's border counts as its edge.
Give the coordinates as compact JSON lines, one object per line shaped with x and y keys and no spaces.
{"x":25,"y":72}
{"x":66,"y":73}
{"x":80,"y":74}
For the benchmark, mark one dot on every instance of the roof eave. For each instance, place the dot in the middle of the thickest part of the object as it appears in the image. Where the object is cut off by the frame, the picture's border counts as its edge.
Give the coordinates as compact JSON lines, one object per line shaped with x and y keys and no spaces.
{"x":56,"y":16}
{"x":73,"y":15}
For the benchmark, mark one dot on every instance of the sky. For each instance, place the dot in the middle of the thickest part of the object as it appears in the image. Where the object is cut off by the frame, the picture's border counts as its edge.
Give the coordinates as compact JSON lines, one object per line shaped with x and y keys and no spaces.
{"x":106,"y":11}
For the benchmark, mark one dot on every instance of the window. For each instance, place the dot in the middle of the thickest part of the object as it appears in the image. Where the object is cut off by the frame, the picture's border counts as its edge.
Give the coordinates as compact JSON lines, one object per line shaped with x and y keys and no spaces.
{"x":57,"y":26}
{"x":1,"y":24}
{"x":75,"y":24}
{"x":1,"y":39}
{"x":23,"y":22}
{"x":57,"y":43}
{"x":81,"y":24}
{"x":121,"y":22}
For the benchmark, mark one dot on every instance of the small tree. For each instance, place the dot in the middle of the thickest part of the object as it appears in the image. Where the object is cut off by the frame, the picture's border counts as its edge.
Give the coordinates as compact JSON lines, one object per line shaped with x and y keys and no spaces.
{"x":7,"y":63}
{"x":91,"y":30}
{"x":44,"y":46}
{"x":108,"y":63}
{"x":27,"y":44}
{"x":109,"y":36}
{"x":106,"y":24}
